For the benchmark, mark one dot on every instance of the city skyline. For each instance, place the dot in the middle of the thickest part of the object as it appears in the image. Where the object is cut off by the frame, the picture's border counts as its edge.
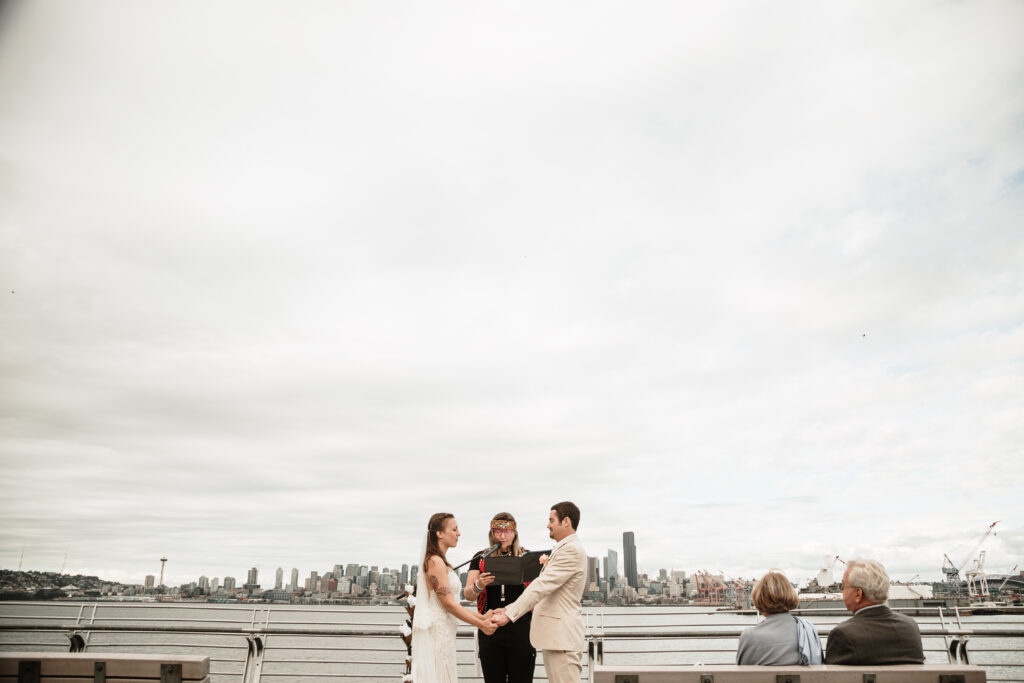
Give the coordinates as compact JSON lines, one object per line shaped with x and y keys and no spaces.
{"x":745,"y":279}
{"x":598,"y":563}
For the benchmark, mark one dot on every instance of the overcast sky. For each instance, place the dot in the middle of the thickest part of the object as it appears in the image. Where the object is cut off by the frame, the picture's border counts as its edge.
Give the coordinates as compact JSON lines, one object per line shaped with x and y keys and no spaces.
{"x":280,"y":280}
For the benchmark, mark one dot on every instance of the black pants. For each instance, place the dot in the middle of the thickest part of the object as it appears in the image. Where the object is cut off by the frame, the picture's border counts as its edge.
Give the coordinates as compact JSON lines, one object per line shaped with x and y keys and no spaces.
{"x":507,"y":656}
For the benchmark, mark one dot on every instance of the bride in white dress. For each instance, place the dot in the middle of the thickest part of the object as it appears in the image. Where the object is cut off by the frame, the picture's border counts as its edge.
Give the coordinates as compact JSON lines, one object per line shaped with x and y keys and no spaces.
{"x":437,"y":609}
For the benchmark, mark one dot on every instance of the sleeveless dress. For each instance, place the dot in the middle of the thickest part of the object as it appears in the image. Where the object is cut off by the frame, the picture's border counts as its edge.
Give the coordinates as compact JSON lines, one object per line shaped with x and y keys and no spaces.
{"x":433,"y":638}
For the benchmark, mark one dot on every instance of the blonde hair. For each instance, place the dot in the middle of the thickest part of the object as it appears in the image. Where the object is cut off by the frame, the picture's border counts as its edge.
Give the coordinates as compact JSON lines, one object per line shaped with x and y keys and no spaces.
{"x":773,"y":593}
{"x":517,"y":549}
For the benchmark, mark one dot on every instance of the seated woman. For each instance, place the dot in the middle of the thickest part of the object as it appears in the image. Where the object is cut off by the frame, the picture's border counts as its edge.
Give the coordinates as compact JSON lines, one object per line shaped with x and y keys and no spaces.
{"x":781,"y":639}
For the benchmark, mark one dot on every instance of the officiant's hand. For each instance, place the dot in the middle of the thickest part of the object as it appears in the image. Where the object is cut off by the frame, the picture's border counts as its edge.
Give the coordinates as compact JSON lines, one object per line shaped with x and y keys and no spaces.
{"x":483,"y":581}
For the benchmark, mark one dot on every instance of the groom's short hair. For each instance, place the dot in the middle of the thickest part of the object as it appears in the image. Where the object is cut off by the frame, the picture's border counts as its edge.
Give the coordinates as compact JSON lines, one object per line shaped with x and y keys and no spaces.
{"x":567,"y":509}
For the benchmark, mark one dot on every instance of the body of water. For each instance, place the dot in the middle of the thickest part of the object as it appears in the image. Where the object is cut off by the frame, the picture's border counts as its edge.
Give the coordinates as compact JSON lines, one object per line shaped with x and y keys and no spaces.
{"x":363,"y":642}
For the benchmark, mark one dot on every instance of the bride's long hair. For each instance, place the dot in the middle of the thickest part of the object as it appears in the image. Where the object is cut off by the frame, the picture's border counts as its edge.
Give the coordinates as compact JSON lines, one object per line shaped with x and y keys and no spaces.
{"x":436,"y":524}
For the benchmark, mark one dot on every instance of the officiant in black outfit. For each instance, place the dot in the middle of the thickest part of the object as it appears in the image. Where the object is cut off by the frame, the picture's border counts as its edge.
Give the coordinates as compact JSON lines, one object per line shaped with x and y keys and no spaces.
{"x":506,"y":656}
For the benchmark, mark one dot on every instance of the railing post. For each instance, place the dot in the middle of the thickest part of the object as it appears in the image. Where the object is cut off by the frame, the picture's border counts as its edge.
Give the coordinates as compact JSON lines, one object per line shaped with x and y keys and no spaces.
{"x":78,"y":642}
{"x":254,"y":660}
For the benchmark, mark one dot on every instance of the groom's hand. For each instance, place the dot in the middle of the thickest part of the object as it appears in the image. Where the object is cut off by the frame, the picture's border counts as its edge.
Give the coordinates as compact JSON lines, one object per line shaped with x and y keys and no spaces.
{"x":498,"y":617}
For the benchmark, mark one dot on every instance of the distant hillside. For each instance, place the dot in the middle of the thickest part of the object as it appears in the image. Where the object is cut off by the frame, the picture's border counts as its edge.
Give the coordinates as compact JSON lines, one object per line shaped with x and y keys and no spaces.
{"x":15,"y":585}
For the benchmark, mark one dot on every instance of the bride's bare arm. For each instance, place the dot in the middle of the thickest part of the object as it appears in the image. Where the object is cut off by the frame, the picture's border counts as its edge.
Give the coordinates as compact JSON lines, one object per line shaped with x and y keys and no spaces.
{"x":437,"y":577}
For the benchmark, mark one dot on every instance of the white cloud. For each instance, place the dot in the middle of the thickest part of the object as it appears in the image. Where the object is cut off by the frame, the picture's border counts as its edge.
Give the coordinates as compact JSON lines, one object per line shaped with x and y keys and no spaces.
{"x":743,"y":279}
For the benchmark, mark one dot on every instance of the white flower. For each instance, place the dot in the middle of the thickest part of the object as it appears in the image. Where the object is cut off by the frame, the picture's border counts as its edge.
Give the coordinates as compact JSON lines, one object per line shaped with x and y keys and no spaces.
{"x":404,"y":629}
{"x":411,"y":600}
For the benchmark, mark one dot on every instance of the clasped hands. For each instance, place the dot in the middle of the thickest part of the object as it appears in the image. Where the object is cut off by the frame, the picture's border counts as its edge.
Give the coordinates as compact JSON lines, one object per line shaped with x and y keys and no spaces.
{"x":496,"y":617}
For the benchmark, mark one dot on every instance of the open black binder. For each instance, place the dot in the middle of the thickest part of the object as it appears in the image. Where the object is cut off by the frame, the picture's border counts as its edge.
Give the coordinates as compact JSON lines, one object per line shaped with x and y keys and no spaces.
{"x":514,"y":571}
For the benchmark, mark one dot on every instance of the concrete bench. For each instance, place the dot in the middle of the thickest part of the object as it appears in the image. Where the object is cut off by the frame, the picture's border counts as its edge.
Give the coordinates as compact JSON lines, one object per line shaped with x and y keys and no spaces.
{"x":116,"y":667}
{"x":826,"y":673}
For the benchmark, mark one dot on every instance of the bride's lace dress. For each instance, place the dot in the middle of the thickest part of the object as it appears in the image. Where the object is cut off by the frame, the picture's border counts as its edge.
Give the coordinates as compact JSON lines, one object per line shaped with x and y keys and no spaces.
{"x":433,"y":637}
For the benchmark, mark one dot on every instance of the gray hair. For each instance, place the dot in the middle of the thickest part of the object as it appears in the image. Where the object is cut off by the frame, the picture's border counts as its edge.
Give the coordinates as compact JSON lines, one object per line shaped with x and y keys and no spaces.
{"x":870,"y":577}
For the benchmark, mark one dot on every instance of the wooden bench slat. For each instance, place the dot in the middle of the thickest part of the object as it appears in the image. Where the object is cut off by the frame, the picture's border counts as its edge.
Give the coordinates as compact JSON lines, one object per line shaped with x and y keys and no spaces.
{"x":119,"y":664}
{"x":826,"y":673}
{"x":88,"y":679}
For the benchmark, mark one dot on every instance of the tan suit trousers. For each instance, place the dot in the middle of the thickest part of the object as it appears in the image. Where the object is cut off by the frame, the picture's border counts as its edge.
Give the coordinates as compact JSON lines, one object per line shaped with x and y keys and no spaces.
{"x":563,"y":666}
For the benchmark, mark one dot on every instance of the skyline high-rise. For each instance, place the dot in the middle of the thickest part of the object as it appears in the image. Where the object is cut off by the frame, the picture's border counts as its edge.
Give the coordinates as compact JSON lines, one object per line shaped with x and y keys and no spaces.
{"x":629,"y":558}
{"x":611,"y":565}
{"x":279,"y":578}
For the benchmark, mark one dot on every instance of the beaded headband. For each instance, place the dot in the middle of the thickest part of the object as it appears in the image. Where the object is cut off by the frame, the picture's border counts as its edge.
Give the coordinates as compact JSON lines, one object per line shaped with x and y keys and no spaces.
{"x":503,"y":524}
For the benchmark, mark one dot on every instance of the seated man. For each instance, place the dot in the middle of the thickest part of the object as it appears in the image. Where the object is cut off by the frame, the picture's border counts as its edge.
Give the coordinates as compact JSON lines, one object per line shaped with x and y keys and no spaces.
{"x":875,"y":634}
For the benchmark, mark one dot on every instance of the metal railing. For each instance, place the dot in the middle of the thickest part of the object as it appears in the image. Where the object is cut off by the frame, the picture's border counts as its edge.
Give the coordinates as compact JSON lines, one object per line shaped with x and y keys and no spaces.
{"x":280,"y":644}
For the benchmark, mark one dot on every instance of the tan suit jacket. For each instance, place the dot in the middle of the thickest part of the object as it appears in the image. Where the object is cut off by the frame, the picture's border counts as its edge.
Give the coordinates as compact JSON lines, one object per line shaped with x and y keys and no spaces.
{"x":554,"y":597}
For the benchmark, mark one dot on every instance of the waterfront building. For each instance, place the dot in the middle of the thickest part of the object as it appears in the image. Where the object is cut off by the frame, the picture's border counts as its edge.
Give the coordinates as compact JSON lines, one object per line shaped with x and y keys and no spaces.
{"x":279,"y":579}
{"x":413,"y":572}
{"x":150,"y":581}
{"x":278,"y":596}
{"x":229,"y":583}
{"x":629,"y":558}
{"x":312,"y":581}
{"x":403,"y":577}
{"x":295,"y":579}
{"x":593,"y":576}
{"x":204,"y":583}
{"x":214,"y":584}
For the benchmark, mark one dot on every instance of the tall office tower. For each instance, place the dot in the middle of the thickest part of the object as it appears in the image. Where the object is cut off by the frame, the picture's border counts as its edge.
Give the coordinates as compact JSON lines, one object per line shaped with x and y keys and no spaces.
{"x":593,"y":576}
{"x":413,"y":573}
{"x":214,"y":584}
{"x":338,"y":571}
{"x":295,"y":579}
{"x":204,"y":583}
{"x":612,"y":565}
{"x":403,"y":577}
{"x":313,"y":580}
{"x":229,"y":583}
{"x":150,"y":580}
{"x":279,"y":578}
{"x":662,"y":575}
{"x":629,"y":558}
{"x":252,"y":582}
{"x":351,"y":570}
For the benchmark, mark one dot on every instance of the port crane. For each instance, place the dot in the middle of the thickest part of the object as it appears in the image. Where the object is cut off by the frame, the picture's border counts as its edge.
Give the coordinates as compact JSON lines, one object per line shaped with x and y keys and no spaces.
{"x":1008,"y":576}
{"x":977,"y":581}
{"x":952,"y":571}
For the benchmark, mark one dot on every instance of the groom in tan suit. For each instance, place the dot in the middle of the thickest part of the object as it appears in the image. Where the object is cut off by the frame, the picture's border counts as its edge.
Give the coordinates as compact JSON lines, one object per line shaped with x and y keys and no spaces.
{"x":554,"y":597}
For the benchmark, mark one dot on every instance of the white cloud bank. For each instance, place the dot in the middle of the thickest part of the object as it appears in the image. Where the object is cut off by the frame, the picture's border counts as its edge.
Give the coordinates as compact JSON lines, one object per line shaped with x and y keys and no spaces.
{"x":279,"y":283}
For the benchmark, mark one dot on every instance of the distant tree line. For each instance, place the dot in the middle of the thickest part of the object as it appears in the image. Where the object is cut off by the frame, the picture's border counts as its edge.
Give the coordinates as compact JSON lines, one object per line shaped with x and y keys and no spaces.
{"x":41,"y":594}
